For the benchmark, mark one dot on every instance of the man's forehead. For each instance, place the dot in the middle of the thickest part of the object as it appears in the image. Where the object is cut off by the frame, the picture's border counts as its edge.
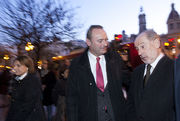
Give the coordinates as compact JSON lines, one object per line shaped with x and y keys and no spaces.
{"x":99,"y":33}
{"x":139,"y":44}
{"x":140,"y":39}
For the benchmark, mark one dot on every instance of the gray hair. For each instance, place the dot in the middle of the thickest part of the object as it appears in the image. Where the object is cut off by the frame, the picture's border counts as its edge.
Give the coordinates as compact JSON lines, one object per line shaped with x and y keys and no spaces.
{"x":150,"y":34}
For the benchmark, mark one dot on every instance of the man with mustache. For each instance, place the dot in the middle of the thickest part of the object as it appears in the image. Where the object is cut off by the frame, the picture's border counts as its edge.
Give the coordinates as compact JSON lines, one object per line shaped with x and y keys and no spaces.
{"x":94,"y":89}
{"x":151,"y":96}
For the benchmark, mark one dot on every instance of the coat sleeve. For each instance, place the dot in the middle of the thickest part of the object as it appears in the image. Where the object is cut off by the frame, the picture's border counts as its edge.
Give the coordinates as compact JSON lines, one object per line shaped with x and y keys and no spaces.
{"x":71,"y":95}
{"x":131,"y":113}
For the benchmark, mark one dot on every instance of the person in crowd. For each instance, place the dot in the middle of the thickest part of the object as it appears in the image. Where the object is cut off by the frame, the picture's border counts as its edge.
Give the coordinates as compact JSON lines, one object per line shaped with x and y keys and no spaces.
{"x":49,"y":81}
{"x":177,"y":87}
{"x":94,"y":85}
{"x":44,"y":69}
{"x":151,"y":95}
{"x":26,"y":97}
{"x":59,"y":92}
{"x":5,"y":77}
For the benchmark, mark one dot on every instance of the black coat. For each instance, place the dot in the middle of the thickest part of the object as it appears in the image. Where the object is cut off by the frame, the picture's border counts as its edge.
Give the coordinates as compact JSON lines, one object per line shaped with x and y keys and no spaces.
{"x":81,"y":97}
{"x":26,"y":100}
{"x":49,"y":80}
{"x":177,"y":88}
{"x":154,"y":102}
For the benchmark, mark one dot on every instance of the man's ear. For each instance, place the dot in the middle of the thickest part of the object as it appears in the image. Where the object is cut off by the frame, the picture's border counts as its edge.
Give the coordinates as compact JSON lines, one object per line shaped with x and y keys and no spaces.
{"x":88,"y":42}
{"x":157,"y":43}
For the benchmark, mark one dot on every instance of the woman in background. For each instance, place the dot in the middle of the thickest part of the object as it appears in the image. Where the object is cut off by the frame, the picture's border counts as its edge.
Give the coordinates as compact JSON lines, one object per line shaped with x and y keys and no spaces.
{"x":26,"y":97}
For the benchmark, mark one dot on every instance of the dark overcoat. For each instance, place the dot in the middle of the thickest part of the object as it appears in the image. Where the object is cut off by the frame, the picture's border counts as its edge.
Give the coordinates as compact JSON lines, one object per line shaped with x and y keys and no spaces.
{"x":154,"y":102}
{"x":82,"y":91}
{"x":26,"y":100}
{"x":177,"y":88}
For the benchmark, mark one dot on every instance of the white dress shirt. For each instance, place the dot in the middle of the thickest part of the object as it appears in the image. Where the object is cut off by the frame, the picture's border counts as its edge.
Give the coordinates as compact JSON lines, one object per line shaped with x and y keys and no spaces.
{"x":102,"y":61}
{"x":153,"y":65}
{"x":21,"y":77}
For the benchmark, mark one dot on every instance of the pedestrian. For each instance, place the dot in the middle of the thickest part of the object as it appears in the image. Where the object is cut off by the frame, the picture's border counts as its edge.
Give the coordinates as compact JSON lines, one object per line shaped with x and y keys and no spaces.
{"x":151,"y":96}
{"x":26,"y":96}
{"x":94,"y":85}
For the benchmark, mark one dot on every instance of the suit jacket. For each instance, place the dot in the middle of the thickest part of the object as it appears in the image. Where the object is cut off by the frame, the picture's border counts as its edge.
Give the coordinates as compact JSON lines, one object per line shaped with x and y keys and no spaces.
{"x":82,"y":91}
{"x":177,"y":88}
{"x":26,"y":100}
{"x":154,"y":102}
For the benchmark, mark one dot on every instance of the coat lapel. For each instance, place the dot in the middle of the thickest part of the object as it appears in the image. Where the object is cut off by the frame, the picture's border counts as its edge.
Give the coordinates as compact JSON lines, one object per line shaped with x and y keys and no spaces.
{"x":86,"y":69}
{"x":108,"y":68}
{"x":140,"y":83}
{"x":156,"y":74}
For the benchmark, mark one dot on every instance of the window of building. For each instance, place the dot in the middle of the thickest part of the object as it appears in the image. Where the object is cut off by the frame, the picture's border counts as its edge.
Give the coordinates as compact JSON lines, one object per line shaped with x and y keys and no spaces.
{"x":171,"y":26}
{"x":178,"y":25}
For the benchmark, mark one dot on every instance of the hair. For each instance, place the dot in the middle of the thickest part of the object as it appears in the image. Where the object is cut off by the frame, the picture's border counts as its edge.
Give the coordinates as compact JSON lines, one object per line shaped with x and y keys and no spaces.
{"x":89,"y":32}
{"x":27,"y":61}
{"x":53,"y":66}
{"x":151,"y":34}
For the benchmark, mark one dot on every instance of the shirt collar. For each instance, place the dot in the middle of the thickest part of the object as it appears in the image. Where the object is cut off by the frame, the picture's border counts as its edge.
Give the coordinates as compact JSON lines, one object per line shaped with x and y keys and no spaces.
{"x":94,"y":57}
{"x":22,"y":76}
{"x":157,"y":60}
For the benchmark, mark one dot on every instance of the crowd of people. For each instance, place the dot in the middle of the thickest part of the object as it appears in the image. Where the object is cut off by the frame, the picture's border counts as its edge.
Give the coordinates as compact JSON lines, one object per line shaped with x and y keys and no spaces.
{"x":35,"y":94}
{"x":98,"y":85}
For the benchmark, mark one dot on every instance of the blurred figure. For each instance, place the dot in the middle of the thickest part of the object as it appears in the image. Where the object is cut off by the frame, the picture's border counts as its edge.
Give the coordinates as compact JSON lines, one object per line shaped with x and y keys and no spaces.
{"x":94,"y":85}
{"x":5,"y":78}
{"x":59,"y":91}
{"x":151,"y":96}
{"x":44,"y":69}
{"x":26,"y":98}
{"x":49,"y":81}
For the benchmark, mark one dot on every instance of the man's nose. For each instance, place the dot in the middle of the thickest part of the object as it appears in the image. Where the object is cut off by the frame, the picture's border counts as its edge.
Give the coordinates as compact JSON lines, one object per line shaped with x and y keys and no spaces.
{"x":105,"y":43}
{"x":139,"y":52}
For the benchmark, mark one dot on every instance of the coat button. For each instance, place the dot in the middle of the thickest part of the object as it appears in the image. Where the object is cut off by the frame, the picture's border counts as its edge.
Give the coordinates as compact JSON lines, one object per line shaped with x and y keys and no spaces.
{"x":90,"y":84}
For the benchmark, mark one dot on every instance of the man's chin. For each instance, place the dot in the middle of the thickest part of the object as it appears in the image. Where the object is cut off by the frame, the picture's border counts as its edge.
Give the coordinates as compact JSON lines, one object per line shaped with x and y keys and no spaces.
{"x":144,"y":60}
{"x":104,"y":51}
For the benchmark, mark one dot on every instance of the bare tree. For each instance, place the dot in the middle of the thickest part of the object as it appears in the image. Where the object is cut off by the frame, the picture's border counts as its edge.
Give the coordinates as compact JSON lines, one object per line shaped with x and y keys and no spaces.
{"x":37,"y":21}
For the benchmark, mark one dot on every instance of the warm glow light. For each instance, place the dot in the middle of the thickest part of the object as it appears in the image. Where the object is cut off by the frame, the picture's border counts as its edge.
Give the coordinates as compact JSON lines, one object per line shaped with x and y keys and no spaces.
{"x":8,"y":67}
{"x":178,"y":40}
{"x":128,"y":45}
{"x":60,"y":57}
{"x":6,"y":57}
{"x":166,"y":44}
{"x":29,"y":46}
{"x":39,"y":64}
{"x":1,"y":66}
{"x":54,"y":58}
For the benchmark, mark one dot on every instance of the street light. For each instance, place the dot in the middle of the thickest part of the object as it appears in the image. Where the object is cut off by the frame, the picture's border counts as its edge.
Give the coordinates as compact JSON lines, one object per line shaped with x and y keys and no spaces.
{"x":6,"y":57}
{"x":29,"y":46}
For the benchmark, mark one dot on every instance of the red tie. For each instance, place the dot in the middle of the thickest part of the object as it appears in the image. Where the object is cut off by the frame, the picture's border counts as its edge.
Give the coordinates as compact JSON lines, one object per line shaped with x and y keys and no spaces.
{"x":99,"y":76}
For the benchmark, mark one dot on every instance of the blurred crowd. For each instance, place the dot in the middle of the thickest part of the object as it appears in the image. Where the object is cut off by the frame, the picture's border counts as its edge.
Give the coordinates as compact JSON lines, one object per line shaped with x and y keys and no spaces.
{"x":53,"y":76}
